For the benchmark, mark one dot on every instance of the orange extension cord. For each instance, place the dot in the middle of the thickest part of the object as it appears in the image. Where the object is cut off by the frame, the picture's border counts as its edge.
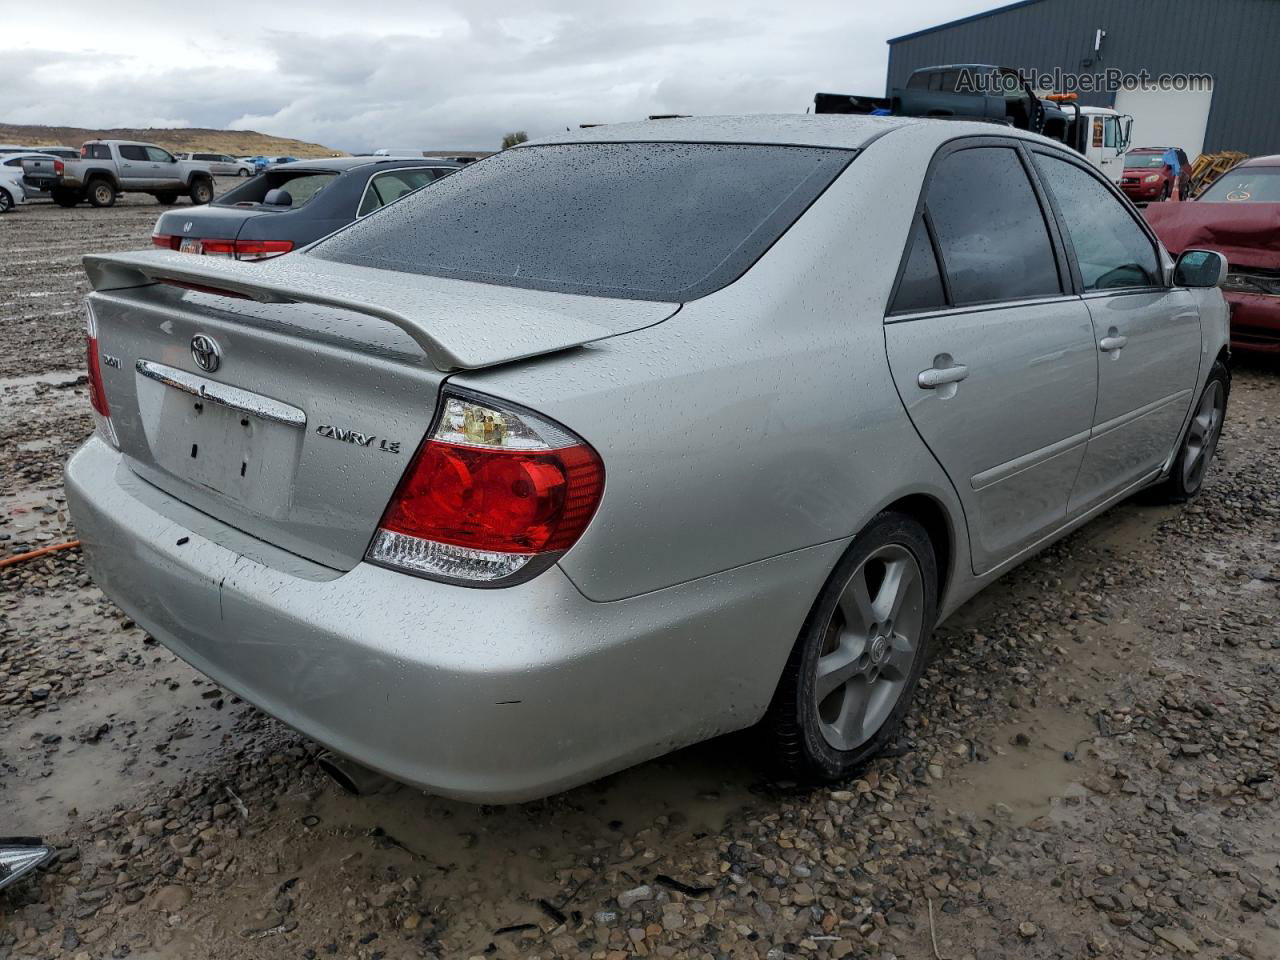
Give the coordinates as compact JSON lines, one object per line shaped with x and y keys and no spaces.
{"x":54,"y":548}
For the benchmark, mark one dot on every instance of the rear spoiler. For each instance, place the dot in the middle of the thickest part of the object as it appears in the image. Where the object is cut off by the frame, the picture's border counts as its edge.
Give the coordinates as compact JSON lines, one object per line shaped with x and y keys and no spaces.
{"x":459,"y":325}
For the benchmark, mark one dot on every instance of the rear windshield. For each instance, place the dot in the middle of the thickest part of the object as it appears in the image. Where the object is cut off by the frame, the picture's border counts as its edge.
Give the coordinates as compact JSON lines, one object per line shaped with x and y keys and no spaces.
{"x":1246,"y":184}
{"x":649,"y":221}
{"x":301,"y":184}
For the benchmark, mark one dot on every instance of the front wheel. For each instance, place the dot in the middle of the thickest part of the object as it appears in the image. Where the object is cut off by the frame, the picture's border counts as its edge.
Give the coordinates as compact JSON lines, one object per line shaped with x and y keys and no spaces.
{"x":243,"y":172}
{"x":1199,"y":442}
{"x":201,"y":191}
{"x":6,"y":201}
{"x":853,"y":671}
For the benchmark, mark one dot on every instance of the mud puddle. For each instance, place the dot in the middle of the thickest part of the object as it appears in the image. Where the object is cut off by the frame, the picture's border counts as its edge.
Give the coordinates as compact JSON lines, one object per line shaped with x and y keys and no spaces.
{"x":111,"y":744}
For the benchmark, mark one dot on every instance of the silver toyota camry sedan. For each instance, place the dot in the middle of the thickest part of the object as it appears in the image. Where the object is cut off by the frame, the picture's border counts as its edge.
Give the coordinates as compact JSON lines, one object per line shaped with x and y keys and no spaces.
{"x":620,"y":440}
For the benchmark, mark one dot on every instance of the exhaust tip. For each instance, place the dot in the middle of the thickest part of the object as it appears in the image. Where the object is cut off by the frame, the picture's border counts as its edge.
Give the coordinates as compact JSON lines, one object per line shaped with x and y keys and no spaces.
{"x":350,"y":776}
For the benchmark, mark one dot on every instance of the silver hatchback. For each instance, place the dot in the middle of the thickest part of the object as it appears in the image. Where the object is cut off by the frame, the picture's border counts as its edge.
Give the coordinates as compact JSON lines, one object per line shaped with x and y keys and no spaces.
{"x":621,"y":440}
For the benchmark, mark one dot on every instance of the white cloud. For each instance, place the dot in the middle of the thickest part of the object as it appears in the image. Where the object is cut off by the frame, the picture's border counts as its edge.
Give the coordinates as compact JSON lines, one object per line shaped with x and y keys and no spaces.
{"x":447,"y":73}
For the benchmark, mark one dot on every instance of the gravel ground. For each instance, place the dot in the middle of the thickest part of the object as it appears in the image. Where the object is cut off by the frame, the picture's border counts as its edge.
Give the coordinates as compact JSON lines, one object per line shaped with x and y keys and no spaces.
{"x":1091,"y":770}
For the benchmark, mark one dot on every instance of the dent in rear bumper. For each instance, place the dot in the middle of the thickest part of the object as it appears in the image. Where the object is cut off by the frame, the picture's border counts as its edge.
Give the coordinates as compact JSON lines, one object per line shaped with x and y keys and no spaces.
{"x":483,"y":695}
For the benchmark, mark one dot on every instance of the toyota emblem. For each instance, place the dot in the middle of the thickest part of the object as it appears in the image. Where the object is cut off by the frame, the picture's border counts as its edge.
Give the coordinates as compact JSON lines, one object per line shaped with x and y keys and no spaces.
{"x":205,"y":352}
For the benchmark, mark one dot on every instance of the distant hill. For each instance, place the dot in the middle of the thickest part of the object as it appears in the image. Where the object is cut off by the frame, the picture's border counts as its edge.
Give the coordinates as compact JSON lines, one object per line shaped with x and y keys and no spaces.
{"x":241,"y":143}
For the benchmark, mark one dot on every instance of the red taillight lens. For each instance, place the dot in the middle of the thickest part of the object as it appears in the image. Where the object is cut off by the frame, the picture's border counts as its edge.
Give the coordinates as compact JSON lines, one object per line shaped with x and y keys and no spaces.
{"x":97,"y":392}
{"x":237,"y":249}
{"x":508,"y":501}
{"x":59,"y":167}
{"x":493,"y":496}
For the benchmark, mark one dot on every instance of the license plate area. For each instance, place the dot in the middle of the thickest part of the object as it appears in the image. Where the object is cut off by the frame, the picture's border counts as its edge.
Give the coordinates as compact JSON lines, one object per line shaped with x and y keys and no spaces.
{"x":190,"y":245}
{"x":238,"y":444}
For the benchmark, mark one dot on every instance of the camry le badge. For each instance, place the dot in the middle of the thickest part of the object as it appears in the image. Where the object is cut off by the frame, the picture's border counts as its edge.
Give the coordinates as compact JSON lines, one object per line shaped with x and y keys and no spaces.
{"x":205,"y":352}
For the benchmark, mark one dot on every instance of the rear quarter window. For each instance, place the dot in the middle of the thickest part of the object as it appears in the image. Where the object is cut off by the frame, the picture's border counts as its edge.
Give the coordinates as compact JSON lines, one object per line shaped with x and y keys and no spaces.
{"x":656,"y":221}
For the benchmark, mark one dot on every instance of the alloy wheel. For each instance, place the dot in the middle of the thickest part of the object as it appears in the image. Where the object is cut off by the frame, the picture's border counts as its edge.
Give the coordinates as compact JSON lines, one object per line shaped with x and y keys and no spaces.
{"x":1202,"y":435}
{"x":872,"y":641}
{"x":5,"y":202}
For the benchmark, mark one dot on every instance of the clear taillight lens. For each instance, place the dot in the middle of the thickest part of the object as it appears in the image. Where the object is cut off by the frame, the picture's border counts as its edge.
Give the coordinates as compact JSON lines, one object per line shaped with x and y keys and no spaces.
{"x":493,"y":496}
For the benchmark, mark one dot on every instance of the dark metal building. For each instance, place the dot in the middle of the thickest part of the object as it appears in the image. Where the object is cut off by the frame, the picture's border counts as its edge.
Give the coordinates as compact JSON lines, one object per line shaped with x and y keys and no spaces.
{"x":1235,"y":41}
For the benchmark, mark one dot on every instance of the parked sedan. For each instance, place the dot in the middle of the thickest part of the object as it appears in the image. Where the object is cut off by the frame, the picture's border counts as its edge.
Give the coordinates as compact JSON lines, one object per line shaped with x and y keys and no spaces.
{"x":617,"y":441}
{"x":291,"y":205}
{"x":222,"y":165}
{"x":1239,"y":216}
{"x":12,"y":190}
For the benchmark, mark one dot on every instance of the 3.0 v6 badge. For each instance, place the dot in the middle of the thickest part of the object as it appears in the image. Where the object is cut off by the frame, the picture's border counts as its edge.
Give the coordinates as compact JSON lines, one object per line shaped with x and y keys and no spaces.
{"x":358,"y":438}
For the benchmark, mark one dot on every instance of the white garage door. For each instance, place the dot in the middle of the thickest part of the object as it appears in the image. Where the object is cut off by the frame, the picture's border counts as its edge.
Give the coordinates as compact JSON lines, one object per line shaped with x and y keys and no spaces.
{"x":1167,"y":118}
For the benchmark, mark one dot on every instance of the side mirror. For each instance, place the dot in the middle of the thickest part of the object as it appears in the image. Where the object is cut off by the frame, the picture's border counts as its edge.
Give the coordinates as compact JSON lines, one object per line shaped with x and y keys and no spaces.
{"x":278,"y":198}
{"x":1200,"y":268}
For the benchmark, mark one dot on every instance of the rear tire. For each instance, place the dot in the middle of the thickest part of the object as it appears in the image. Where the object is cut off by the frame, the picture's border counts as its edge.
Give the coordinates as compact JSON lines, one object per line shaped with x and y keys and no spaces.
{"x":102,"y":193}
{"x":168,"y":198}
{"x":854,"y":669}
{"x":65,"y":198}
{"x":201,"y":191}
{"x":6,"y":201}
{"x":1199,"y":442}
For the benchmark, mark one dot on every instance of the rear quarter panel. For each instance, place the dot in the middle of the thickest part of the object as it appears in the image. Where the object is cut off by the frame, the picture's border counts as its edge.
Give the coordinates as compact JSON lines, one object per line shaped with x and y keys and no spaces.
{"x":760,"y":419}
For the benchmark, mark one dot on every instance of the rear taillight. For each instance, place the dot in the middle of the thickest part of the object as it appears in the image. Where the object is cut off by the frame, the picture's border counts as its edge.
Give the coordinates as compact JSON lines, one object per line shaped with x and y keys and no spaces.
{"x":260,"y":249}
{"x":97,"y":389}
{"x":493,"y":496}
{"x":59,"y":167}
{"x":234,"y":249}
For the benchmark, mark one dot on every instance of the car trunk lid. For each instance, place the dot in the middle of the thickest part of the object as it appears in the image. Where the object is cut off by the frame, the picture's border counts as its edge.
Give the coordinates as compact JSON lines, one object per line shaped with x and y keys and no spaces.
{"x":324,"y":383}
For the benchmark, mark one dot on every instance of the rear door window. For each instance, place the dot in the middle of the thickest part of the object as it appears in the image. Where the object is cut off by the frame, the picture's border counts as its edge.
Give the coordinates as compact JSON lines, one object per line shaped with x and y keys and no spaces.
{"x":130,"y":151}
{"x":392,"y":185}
{"x":990,"y":229}
{"x":1111,"y":250}
{"x":655,"y":221}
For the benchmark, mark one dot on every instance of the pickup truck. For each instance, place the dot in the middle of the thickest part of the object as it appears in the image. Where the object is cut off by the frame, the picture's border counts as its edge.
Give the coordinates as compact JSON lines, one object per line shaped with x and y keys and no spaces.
{"x":107,"y":168}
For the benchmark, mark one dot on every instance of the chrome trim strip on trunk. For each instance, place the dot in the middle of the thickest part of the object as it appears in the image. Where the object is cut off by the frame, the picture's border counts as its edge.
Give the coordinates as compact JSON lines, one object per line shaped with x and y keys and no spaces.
{"x":264,"y":408}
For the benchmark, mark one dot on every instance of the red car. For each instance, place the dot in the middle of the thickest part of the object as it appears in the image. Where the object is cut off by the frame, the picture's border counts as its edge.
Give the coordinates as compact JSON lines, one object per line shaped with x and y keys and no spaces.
{"x":1147,"y":178}
{"x":1239,"y":216}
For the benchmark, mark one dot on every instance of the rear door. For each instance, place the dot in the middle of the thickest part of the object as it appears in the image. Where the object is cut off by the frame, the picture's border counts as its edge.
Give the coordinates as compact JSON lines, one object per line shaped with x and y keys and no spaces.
{"x":991,"y":350}
{"x":1147,"y":335}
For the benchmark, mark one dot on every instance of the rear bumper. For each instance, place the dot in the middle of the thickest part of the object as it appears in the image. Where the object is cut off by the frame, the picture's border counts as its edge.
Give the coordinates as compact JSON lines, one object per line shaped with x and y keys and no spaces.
{"x":1255,"y":322}
{"x":484,"y":695}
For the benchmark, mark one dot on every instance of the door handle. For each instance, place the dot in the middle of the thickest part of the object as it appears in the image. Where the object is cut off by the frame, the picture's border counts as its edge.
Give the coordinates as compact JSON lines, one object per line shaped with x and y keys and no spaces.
{"x":939,"y":376}
{"x":1112,"y":343}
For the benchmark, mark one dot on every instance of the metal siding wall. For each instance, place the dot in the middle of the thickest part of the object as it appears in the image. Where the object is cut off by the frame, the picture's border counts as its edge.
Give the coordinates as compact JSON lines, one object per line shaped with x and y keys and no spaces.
{"x":1234,"y":40}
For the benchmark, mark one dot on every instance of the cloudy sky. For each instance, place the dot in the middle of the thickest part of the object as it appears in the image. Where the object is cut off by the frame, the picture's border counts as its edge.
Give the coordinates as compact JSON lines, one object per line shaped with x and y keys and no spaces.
{"x":442,"y":74}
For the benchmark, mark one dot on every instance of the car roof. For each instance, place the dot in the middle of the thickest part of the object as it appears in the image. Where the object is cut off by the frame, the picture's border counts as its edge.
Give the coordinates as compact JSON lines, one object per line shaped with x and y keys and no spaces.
{"x":343,"y":164}
{"x":843,"y":131}
{"x":1272,"y":160}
